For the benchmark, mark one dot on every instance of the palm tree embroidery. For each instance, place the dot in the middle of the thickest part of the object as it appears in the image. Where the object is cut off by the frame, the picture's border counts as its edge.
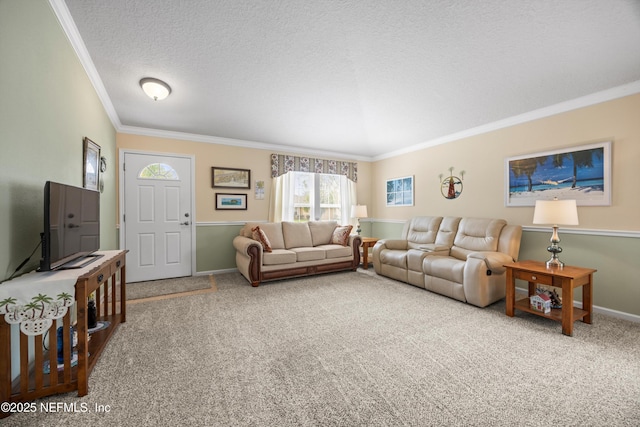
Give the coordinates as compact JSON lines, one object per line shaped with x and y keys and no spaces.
{"x":5,"y":303}
{"x":61,"y":308}
{"x":44,"y":300}
{"x":64,"y":297}
{"x":33,"y":306}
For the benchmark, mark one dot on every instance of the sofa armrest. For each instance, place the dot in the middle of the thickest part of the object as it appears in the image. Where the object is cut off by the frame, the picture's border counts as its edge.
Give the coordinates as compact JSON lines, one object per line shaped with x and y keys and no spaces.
{"x":244,"y":244}
{"x":495,"y":261}
{"x":248,"y":258}
{"x":355,"y":241}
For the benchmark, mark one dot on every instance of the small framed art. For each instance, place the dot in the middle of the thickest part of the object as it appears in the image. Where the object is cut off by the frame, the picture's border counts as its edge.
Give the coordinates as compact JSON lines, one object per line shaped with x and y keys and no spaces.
{"x":400,"y":191}
{"x":91,"y":167}
{"x":226,"y":201}
{"x":230,"y":178}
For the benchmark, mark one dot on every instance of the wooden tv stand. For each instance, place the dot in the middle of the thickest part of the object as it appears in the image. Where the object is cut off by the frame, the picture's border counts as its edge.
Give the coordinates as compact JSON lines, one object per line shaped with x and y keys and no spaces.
{"x":33,"y":382}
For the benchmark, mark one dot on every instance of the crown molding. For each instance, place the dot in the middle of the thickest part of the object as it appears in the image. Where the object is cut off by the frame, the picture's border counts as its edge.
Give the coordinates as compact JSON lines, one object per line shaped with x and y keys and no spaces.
{"x":68,"y":25}
{"x":133,"y":130}
{"x":562,"y":107}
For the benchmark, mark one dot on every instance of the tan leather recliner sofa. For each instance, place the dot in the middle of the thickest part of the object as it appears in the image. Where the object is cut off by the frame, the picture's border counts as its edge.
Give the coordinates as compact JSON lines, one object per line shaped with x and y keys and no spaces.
{"x":462,"y":258}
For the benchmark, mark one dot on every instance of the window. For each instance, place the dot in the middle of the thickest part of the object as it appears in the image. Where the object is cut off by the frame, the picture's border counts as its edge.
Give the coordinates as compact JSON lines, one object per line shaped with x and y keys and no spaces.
{"x":319,"y":197}
{"x":159,"y":171}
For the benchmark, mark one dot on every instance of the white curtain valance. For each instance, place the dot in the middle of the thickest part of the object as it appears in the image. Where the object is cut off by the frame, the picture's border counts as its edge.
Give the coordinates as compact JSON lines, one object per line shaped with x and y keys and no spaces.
{"x":281,"y":164}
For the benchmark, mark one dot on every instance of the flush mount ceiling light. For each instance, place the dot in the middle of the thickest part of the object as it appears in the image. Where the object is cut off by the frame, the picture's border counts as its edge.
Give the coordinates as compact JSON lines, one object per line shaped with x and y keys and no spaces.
{"x":154,"y":88}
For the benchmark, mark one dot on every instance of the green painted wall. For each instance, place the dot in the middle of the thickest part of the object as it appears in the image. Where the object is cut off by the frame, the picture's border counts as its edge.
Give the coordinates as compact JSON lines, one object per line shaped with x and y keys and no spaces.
{"x":47,"y":106}
{"x":214,"y":246}
{"x":616,"y":283}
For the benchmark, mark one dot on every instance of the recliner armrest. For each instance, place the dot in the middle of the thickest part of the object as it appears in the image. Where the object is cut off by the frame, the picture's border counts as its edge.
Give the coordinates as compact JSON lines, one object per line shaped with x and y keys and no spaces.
{"x":495,"y":260}
{"x":434,"y":249}
{"x":397,"y":244}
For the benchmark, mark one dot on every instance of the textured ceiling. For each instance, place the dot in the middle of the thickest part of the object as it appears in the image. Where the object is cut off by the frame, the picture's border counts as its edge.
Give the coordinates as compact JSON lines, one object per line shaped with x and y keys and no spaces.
{"x":359,"y":78}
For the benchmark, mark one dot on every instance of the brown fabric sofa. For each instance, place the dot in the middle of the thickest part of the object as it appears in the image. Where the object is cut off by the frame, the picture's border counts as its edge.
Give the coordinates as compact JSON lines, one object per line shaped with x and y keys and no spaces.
{"x":462,"y":258}
{"x":297,"y":249}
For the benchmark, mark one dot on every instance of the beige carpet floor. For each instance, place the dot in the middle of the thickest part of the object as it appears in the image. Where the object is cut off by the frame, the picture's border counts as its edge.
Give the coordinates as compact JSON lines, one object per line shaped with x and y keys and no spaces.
{"x":353,"y":349}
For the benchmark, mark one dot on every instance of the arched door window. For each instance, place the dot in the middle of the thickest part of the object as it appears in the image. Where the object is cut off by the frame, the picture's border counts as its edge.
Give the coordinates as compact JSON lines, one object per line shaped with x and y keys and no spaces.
{"x":159,"y":171}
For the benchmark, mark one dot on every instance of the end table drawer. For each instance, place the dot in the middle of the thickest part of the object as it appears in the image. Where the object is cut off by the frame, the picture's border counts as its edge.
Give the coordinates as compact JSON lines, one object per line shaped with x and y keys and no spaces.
{"x":100,"y":276}
{"x":534,"y":277}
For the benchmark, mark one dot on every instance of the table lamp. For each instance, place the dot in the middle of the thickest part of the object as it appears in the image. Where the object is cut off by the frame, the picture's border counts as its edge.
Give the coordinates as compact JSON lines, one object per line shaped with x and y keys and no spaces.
{"x":555,"y":212}
{"x":357,"y":212}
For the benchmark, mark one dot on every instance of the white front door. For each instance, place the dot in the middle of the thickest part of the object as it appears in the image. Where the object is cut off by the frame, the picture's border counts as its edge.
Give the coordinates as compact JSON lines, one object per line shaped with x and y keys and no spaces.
{"x":157,"y":216}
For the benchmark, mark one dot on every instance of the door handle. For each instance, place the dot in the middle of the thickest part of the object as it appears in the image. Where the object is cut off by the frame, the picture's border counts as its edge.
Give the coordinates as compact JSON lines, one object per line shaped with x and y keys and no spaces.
{"x":184,"y":223}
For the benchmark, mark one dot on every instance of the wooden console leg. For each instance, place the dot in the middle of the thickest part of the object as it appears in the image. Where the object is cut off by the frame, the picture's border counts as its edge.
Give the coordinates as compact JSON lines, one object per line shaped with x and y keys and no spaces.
{"x":587,"y":299}
{"x":511,"y":293}
{"x":567,"y":307}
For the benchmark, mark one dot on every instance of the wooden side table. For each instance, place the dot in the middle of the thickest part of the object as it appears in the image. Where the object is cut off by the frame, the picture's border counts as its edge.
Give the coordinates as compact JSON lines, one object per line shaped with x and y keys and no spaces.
{"x":367,"y":242}
{"x":567,"y":278}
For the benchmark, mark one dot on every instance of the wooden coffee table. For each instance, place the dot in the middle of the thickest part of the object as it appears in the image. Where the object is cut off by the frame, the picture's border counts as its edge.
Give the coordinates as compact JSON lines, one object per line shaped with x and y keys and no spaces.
{"x":567,"y":278}
{"x":367,"y":242}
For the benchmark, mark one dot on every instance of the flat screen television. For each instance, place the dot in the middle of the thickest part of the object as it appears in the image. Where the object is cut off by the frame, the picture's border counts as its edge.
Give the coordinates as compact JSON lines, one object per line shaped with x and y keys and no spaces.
{"x":71,"y":226}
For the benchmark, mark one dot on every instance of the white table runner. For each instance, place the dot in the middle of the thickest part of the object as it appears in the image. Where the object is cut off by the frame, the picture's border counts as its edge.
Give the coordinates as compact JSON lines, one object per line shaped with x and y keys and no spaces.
{"x":34,"y":300}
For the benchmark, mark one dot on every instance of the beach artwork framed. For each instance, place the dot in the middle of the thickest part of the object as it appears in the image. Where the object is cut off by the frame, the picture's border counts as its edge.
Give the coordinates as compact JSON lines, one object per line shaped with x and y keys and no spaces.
{"x":582,"y":173}
{"x":400,"y":191}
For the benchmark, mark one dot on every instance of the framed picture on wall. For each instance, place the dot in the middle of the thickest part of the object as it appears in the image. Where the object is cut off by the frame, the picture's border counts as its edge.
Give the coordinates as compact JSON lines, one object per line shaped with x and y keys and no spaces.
{"x":400,"y":191}
{"x":581,"y":173}
{"x":226,"y":201}
{"x":230,"y":178}
{"x":91,"y":167}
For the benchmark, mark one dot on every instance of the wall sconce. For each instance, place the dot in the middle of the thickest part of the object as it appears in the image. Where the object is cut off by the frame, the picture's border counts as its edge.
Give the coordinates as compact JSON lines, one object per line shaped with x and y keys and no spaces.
{"x":357,"y":212}
{"x":554,"y":212}
{"x":155,"y":89}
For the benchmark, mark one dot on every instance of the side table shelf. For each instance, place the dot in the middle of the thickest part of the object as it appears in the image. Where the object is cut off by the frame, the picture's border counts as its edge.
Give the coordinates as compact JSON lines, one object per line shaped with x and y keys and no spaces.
{"x":555,"y":314}
{"x":105,"y":277}
{"x":567,"y":279}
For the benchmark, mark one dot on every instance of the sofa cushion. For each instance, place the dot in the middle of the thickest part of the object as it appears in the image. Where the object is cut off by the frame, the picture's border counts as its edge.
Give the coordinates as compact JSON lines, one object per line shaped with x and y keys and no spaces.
{"x":444,"y":267}
{"x":278,"y":256}
{"x":414,"y":259}
{"x":261,"y":237}
{"x":394,"y":257}
{"x":296,"y":235}
{"x":422,"y":229}
{"x":321,"y":231}
{"x":477,"y":234}
{"x":336,"y":251}
{"x":308,"y":254}
{"x":447,"y":231}
{"x":341,"y":235}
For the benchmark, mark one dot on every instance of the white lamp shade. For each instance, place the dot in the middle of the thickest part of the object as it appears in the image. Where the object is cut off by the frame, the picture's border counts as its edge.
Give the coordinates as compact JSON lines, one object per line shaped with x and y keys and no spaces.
{"x":155,"y":89}
{"x":556,"y":212}
{"x":359,"y":211}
